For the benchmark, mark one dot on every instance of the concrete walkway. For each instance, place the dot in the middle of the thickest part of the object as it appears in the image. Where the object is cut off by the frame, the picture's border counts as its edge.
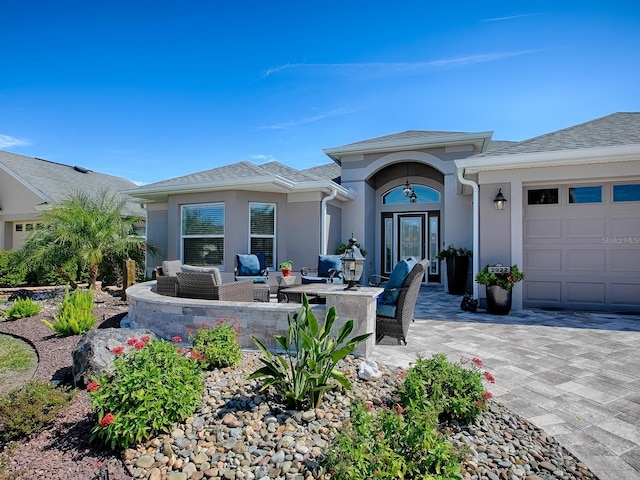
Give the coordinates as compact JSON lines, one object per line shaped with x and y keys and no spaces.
{"x":576,"y":375}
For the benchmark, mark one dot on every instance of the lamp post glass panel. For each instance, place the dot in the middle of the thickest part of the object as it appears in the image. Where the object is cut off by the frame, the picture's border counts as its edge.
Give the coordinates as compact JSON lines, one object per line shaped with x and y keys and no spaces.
{"x":352,"y":264}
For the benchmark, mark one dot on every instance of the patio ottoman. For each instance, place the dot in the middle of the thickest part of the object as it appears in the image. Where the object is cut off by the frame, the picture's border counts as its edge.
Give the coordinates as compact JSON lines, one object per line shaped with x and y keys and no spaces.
{"x":261,"y":292}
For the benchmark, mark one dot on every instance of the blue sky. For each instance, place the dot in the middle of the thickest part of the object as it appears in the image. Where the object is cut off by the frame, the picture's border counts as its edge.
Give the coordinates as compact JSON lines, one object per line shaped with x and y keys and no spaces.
{"x":154,"y":90}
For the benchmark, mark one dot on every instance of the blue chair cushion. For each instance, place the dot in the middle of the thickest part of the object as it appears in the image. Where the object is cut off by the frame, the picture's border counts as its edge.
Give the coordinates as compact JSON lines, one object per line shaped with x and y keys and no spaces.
{"x":328,"y":262}
{"x":248,"y":264}
{"x":386,"y":310}
{"x":397,"y":278}
{"x":254,"y":279}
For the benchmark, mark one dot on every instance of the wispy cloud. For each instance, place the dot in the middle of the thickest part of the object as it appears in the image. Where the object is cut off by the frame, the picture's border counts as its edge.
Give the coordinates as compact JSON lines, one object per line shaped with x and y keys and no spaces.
{"x":7,"y":141}
{"x":512,"y":17}
{"x":315,"y":118}
{"x":403,"y":67}
{"x":261,"y":158}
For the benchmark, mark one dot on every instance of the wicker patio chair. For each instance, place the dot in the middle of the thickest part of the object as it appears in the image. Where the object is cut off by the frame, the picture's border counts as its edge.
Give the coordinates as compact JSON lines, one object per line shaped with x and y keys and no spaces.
{"x":394,"y":320}
{"x":204,"y":286}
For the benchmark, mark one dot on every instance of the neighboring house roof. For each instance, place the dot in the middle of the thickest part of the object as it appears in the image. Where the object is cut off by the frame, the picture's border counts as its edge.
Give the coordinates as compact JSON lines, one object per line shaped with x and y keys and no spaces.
{"x":53,"y":181}
{"x":622,"y":128}
{"x":245,"y":175}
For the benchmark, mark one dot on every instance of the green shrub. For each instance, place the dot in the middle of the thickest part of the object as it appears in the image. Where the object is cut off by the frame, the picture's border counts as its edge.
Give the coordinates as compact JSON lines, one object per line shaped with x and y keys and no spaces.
{"x":151,"y":387}
{"x":23,"y":308}
{"x":28,"y":409}
{"x":390,"y":444}
{"x":301,"y":375}
{"x":13,"y":271}
{"x":454,"y":389}
{"x":218,"y":345}
{"x":75,"y":314}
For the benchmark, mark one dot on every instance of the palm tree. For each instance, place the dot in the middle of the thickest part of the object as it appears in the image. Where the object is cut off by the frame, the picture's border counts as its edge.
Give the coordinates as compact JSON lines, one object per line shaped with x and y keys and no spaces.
{"x":84,"y":229}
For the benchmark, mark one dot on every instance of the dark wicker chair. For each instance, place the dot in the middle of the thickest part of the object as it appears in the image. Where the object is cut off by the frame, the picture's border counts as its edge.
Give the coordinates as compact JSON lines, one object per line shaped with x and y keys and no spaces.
{"x":204,"y":286}
{"x":398,"y":325}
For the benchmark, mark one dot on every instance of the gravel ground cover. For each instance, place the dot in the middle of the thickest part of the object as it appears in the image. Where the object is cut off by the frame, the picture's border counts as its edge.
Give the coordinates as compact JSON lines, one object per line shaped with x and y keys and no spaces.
{"x":240,"y":433}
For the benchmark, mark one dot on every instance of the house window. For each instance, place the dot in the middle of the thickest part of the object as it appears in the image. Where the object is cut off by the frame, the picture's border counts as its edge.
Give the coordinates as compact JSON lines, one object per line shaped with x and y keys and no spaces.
{"x":423,"y":193}
{"x":29,"y":227}
{"x":262,"y":230}
{"x":585,"y":194}
{"x":626,"y":193}
{"x":203,"y":234}
{"x":18,"y":227}
{"x":542,"y":196}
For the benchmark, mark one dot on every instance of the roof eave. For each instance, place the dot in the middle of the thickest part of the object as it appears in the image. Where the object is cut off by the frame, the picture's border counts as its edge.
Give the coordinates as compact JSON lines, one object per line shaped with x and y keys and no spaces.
{"x":479,"y":139}
{"x":622,"y":153}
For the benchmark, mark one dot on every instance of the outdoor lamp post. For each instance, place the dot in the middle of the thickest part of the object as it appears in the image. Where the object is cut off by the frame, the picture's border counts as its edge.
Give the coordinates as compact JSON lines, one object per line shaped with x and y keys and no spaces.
{"x":499,"y":202}
{"x":352,"y":264}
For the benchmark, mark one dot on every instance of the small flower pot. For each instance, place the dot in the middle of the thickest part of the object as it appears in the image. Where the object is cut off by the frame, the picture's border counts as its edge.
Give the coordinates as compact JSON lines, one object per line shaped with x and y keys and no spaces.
{"x":285,"y":273}
{"x":498,"y":300}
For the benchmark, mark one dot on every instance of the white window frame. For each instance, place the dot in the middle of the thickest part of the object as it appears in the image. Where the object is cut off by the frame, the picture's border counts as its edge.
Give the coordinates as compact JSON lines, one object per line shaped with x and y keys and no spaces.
{"x":262,"y":235}
{"x":212,"y":235}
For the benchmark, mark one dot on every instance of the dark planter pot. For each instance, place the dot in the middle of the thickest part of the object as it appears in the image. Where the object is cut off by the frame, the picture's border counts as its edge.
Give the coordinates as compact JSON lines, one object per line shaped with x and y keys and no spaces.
{"x":457,"y":268}
{"x":498,"y":300}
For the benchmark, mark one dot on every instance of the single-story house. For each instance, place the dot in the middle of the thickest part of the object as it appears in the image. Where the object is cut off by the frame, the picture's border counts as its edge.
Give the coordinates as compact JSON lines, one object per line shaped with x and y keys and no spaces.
{"x":29,"y":185}
{"x":571,"y":222}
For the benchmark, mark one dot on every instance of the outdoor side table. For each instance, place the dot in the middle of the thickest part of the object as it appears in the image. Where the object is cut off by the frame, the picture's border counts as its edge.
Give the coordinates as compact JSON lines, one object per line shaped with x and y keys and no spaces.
{"x":284,"y":282}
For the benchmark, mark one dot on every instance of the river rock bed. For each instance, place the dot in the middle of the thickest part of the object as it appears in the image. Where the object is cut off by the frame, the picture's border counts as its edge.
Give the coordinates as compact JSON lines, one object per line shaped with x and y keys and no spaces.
{"x":242,"y":433}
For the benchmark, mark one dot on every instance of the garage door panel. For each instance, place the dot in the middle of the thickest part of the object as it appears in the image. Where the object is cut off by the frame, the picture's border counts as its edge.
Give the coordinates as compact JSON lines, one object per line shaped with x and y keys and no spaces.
{"x":626,"y":226}
{"x":543,"y":259}
{"x":543,"y":228}
{"x":543,"y":291}
{"x":586,"y":227}
{"x":586,"y":260}
{"x":626,"y":260}
{"x":624,"y":293}
{"x":586,"y":292}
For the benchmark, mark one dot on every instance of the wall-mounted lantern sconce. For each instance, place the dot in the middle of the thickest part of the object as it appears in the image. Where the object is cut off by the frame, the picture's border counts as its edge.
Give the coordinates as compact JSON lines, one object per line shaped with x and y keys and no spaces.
{"x":499,"y":202}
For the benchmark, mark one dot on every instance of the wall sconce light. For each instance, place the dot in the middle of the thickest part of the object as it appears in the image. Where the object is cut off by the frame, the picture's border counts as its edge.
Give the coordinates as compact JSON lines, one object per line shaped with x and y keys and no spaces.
{"x":499,"y":202}
{"x":352,"y":264}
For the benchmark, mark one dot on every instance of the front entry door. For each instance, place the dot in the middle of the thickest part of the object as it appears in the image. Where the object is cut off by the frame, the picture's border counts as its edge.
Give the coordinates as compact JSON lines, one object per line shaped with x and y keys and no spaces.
{"x":411,"y":235}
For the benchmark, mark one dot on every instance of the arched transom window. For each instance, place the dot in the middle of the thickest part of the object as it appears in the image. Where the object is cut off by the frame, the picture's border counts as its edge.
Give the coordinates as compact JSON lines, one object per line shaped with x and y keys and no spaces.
{"x":423,"y":194}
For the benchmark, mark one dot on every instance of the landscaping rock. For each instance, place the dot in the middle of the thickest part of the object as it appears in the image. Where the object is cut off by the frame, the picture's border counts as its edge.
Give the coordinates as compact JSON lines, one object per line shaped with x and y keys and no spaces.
{"x":93,"y":354}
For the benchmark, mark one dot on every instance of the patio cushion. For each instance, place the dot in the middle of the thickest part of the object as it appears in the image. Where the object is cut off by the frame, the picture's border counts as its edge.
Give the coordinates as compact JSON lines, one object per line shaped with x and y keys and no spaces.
{"x":385,"y":310}
{"x":248,"y":264}
{"x":397,"y":278}
{"x":215,"y":271}
{"x":171,"y":267}
{"x":328,"y":262}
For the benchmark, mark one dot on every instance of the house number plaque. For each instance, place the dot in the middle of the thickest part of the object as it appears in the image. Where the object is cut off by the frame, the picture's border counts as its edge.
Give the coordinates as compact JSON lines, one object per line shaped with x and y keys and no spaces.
{"x":498,"y":268}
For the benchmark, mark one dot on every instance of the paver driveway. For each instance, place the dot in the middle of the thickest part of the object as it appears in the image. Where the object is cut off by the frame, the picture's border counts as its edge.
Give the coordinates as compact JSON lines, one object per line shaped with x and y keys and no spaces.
{"x":576,"y":375}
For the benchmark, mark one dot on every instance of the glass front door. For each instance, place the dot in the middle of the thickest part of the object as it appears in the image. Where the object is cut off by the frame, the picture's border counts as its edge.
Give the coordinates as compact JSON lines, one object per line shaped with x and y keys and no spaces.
{"x":411,"y":235}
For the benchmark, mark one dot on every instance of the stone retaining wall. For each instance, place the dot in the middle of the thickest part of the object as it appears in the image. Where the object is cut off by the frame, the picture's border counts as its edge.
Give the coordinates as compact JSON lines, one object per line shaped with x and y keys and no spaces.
{"x":169,"y":316}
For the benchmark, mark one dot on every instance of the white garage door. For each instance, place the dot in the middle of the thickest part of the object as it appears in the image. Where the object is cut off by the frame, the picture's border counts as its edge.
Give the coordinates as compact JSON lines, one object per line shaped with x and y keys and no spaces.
{"x":582,"y":246}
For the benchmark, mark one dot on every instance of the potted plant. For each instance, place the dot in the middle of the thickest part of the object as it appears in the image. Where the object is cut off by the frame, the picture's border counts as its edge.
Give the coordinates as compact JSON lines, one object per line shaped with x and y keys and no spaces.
{"x":499,"y":281}
{"x":286,"y":267}
{"x":457,"y":268}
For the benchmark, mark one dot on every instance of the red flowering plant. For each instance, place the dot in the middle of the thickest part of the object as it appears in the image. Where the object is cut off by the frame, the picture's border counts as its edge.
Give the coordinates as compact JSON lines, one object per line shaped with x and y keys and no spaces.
{"x":455,"y":389}
{"x":150,"y":388}
{"x":216,"y":346}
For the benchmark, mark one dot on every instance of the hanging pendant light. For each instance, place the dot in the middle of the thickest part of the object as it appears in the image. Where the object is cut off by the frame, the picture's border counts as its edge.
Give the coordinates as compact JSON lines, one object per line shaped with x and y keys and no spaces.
{"x":407,"y":190}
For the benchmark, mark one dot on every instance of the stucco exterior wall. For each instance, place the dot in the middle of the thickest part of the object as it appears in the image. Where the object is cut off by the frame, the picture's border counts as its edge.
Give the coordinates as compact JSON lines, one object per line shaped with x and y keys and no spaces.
{"x":297,"y":225}
{"x":156,"y":225}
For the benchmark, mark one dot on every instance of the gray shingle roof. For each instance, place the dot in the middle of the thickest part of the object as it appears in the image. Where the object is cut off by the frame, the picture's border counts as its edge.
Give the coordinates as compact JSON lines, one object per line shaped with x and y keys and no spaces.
{"x":235,"y":171}
{"x":622,"y":128}
{"x":408,"y":135}
{"x":328,"y":171}
{"x":55,"y":181}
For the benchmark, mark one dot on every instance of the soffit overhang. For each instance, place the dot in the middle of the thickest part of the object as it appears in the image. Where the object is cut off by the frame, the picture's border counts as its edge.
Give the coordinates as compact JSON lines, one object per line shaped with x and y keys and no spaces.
{"x":480,"y":142}
{"x":266,"y":184}
{"x":576,"y":157}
